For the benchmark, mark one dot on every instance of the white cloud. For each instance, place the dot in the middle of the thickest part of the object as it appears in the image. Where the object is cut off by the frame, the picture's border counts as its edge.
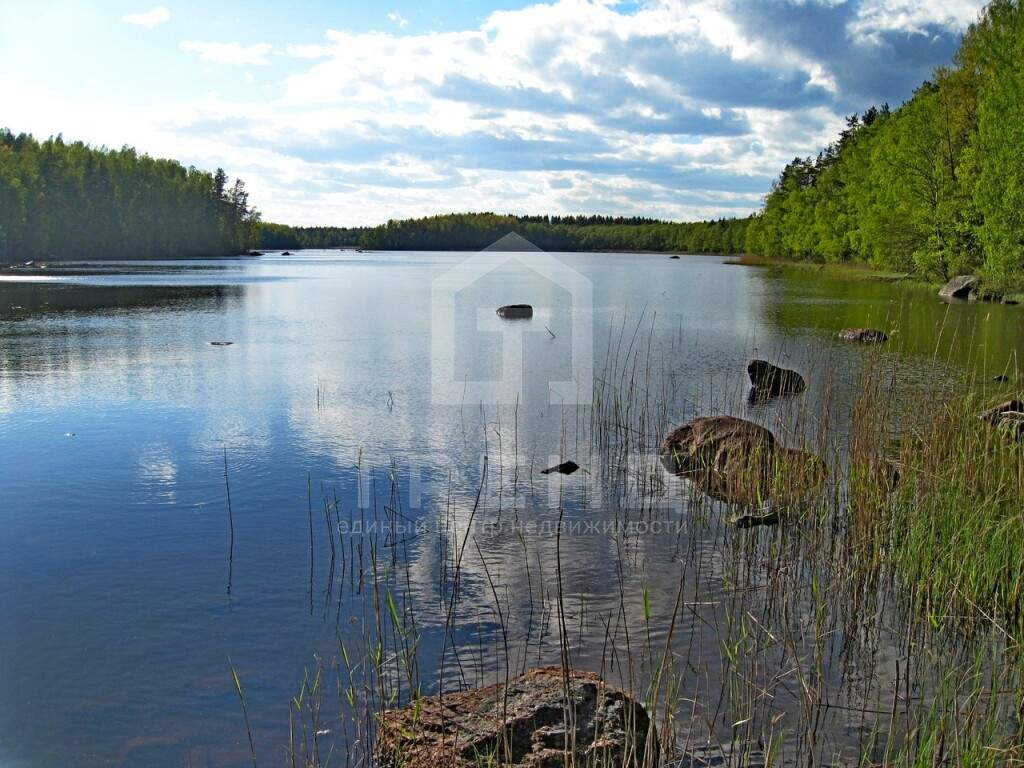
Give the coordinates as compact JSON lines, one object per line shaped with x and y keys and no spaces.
{"x":148,"y":19}
{"x":912,"y":16}
{"x":675,"y":108}
{"x":229,"y":53}
{"x":398,"y":19}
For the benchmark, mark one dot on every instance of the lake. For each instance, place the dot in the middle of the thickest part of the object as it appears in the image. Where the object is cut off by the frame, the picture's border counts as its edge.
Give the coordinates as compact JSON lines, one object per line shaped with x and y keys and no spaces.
{"x":280,"y":504}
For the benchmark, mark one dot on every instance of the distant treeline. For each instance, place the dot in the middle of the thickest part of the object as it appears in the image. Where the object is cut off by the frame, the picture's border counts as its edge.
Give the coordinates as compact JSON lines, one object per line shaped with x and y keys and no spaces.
{"x":70,"y":201}
{"x":935,"y":187}
{"x":473,"y":231}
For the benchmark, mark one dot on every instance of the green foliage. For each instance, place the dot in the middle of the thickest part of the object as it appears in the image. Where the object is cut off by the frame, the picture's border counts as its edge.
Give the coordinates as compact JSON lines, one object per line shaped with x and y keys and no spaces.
{"x":935,"y":188}
{"x":473,"y":231}
{"x":72,"y":201}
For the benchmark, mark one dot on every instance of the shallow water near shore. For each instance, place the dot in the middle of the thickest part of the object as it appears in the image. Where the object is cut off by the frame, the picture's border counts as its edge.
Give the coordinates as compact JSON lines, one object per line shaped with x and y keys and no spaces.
{"x":123,"y":432}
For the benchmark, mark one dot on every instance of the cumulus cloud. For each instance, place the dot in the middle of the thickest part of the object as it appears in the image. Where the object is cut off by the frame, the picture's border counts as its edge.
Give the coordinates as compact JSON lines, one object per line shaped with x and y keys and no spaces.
{"x":149,"y":19}
{"x":673,"y":108}
{"x":398,"y":19}
{"x":229,"y":53}
{"x":917,"y":17}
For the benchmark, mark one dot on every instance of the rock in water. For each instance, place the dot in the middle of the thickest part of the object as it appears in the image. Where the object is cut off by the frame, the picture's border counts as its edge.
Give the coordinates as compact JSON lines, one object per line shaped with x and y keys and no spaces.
{"x":863,"y":335}
{"x":221,"y":343}
{"x":565,"y":468}
{"x":995,"y":414}
{"x":528,"y":723}
{"x":771,"y":381}
{"x":959,"y":287}
{"x":740,"y":462}
{"x":1007,"y":417}
{"x":515,"y":311}
{"x":674,"y":256}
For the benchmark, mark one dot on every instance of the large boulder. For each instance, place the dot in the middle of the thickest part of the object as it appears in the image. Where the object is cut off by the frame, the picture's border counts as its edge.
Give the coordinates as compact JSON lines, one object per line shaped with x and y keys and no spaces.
{"x":739,"y":462}
{"x":863,"y":335}
{"x":528,"y":723}
{"x":959,"y":287}
{"x":771,"y":380}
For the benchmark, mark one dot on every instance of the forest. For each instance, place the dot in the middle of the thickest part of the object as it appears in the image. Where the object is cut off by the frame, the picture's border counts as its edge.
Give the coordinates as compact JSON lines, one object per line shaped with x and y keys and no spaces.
{"x":70,"y":201}
{"x":934,"y":188}
{"x":473,"y":231}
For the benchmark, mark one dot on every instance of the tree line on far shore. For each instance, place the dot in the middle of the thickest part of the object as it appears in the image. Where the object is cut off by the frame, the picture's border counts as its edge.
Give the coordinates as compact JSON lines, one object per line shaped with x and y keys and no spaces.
{"x":474,"y":231}
{"x":70,"y":201}
{"x":935,"y":188}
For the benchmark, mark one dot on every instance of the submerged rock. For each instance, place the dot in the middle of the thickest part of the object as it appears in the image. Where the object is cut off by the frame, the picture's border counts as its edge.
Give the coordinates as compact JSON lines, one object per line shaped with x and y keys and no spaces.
{"x":739,"y":462}
{"x":287,"y":253}
{"x":674,"y":256}
{"x":515,"y":311}
{"x":529,"y":722}
{"x":255,"y":253}
{"x":565,"y":468}
{"x":959,"y":287}
{"x":771,"y":380}
{"x":863,"y":335}
{"x":722,"y":756}
{"x":221,"y":343}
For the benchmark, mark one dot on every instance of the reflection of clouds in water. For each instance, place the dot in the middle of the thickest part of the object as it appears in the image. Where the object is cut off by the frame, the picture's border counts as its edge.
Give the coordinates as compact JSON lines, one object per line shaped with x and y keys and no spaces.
{"x":158,"y":467}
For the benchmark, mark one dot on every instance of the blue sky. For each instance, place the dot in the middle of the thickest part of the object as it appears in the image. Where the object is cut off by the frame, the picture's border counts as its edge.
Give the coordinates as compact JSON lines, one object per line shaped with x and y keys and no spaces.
{"x":353,"y":113}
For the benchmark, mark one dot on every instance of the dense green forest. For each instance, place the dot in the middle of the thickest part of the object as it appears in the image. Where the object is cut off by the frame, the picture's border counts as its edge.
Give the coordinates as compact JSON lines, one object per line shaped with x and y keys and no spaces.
{"x":71,"y":201}
{"x":473,"y":231}
{"x":935,"y":187}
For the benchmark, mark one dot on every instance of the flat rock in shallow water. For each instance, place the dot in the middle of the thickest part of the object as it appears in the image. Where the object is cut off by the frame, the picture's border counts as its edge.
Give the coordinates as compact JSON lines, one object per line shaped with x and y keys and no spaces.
{"x":515,"y":311}
{"x":221,"y":343}
{"x":528,"y":723}
{"x":739,"y":462}
{"x":863,"y":335}
{"x":994,"y":414}
{"x":959,"y":287}
{"x":1008,"y":417}
{"x":771,"y":380}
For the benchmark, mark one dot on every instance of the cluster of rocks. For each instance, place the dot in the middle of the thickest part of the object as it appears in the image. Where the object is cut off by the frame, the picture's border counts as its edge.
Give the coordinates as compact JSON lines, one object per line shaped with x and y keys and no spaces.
{"x":546,"y":718}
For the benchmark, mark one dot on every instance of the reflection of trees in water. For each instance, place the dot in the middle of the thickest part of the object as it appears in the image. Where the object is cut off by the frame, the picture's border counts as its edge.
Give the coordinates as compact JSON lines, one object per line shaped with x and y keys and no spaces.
{"x":23,"y":301}
{"x":68,"y":328}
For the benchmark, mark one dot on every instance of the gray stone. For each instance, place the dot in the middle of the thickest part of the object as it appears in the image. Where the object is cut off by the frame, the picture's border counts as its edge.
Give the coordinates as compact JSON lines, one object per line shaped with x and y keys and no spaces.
{"x":959,"y":287}
{"x":529,"y":723}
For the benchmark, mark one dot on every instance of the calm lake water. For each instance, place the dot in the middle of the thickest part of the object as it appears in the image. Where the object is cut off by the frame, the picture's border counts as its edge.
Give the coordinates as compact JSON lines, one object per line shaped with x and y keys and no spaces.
{"x":117,"y":417}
